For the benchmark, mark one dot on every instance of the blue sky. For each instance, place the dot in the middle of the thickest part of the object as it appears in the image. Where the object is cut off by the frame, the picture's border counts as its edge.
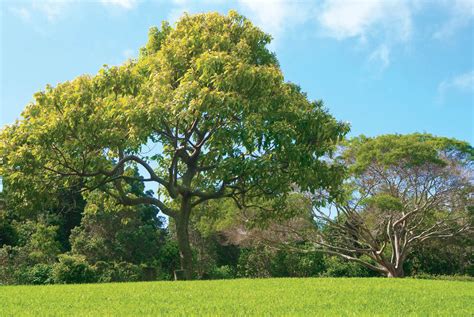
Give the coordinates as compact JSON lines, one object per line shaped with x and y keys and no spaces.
{"x":384,"y":66}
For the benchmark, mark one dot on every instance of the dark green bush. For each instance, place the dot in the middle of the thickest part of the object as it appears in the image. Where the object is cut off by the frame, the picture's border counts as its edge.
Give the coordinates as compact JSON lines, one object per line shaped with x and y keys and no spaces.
{"x":73,"y":269}
{"x":123,"y":272}
{"x":38,"y":274}
{"x":118,"y":272}
{"x":222,"y":273}
{"x":104,"y":271}
{"x":337,"y":267}
{"x":292,"y":264}
{"x":168,"y":260}
{"x":254,"y":262}
{"x":264,"y":262}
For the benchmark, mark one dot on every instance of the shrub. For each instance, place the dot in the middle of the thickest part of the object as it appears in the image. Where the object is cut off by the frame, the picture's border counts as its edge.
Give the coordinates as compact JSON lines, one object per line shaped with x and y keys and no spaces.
{"x":291,"y":264}
{"x":124,"y":271}
{"x":118,"y":272}
{"x":104,"y":271}
{"x":222,"y":273}
{"x":73,"y":269}
{"x":168,"y":260}
{"x":8,"y":266}
{"x":337,"y":267}
{"x":38,"y":274}
{"x":254,"y":262}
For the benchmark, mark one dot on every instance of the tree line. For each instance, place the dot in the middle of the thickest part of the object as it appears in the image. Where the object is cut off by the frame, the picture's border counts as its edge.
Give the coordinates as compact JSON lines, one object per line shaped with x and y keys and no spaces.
{"x":250,"y":177}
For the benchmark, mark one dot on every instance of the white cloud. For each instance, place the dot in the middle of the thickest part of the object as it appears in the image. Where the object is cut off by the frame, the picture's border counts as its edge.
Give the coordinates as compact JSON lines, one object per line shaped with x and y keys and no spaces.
{"x":381,"y":56}
{"x":181,"y":2}
{"x":192,"y":7}
{"x":385,"y":21}
{"x":175,"y":14}
{"x":199,"y":3}
{"x":461,"y":13}
{"x":463,"y":83}
{"x":50,"y":8}
{"x":123,"y":4}
{"x":361,"y":19}
{"x":378,"y":21}
{"x":275,"y":16}
{"x":54,"y":9}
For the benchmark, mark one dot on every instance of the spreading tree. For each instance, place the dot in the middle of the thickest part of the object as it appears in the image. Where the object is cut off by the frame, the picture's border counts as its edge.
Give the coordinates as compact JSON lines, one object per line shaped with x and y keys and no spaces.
{"x":204,"y":112}
{"x":402,"y":192}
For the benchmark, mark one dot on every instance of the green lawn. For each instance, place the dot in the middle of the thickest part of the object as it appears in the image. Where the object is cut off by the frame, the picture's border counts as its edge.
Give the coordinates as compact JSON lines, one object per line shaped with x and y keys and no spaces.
{"x":310,"y":296}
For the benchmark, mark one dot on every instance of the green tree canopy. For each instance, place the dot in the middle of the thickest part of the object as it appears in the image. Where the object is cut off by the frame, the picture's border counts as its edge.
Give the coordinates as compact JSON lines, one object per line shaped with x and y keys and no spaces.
{"x":403,"y":190}
{"x":210,"y":101}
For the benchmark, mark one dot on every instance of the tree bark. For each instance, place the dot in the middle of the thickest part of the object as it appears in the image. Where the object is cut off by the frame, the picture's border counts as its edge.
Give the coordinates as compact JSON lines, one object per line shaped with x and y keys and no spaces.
{"x":398,"y":273}
{"x":185,"y":253}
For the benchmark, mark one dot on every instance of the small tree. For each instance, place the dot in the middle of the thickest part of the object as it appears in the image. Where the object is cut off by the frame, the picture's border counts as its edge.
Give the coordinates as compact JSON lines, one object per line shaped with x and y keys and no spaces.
{"x":204,"y":112}
{"x":403,"y":191}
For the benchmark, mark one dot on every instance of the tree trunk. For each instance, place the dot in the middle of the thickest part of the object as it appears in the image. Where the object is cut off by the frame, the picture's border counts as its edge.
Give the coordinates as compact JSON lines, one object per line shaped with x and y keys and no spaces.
{"x":394,"y":272}
{"x":185,"y":254}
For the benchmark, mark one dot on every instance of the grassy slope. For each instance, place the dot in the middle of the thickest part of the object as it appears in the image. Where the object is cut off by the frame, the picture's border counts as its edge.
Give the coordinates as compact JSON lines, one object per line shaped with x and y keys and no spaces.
{"x":244,"y":297}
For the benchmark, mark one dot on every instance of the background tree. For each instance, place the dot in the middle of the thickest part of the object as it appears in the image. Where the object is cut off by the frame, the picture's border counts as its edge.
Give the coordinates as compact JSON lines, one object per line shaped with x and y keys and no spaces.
{"x":210,"y":100}
{"x":239,"y":240}
{"x":403,"y":191}
{"x":450,"y":256}
{"x":116,"y":233}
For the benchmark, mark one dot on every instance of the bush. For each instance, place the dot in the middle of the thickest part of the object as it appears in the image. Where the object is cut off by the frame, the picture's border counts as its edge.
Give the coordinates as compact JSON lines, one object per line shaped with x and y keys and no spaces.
{"x":8,"y":265}
{"x":124,"y":272}
{"x":73,"y":269}
{"x":254,"y":262}
{"x":168,"y":260}
{"x":337,"y":267}
{"x":38,"y":274}
{"x":104,"y":271}
{"x":222,"y":273}
{"x":291,"y":264}
{"x":442,"y":257}
{"x":118,"y":272}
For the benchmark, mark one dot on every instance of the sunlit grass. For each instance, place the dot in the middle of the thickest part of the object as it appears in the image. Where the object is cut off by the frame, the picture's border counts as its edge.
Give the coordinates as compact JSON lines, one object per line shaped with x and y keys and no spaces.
{"x":310,"y":296}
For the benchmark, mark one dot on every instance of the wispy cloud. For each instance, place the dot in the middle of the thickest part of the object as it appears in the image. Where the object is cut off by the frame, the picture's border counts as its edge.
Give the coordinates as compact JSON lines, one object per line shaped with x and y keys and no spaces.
{"x":123,"y":4}
{"x":191,"y":7}
{"x":381,"y":21}
{"x":52,"y":10}
{"x":276,"y":16}
{"x":381,"y":56}
{"x":461,"y":83}
{"x":363,"y":19}
{"x":180,"y":7}
{"x":379,"y":24}
{"x":461,"y":14}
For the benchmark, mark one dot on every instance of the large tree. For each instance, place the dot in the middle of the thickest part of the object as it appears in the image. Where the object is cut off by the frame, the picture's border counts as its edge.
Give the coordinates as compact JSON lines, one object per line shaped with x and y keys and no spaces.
{"x":402,"y":191}
{"x":204,"y":112}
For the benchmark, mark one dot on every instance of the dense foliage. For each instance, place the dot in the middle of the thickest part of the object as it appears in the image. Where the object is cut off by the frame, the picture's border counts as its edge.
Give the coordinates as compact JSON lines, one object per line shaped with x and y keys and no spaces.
{"x":211,"y":101}
{"x":403,"y":191}
{"x":244,"y":168}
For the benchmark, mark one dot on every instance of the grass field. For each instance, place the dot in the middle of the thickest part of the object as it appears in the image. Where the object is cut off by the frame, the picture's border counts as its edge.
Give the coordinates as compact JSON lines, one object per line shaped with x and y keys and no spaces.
{"x":311,"y":296}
